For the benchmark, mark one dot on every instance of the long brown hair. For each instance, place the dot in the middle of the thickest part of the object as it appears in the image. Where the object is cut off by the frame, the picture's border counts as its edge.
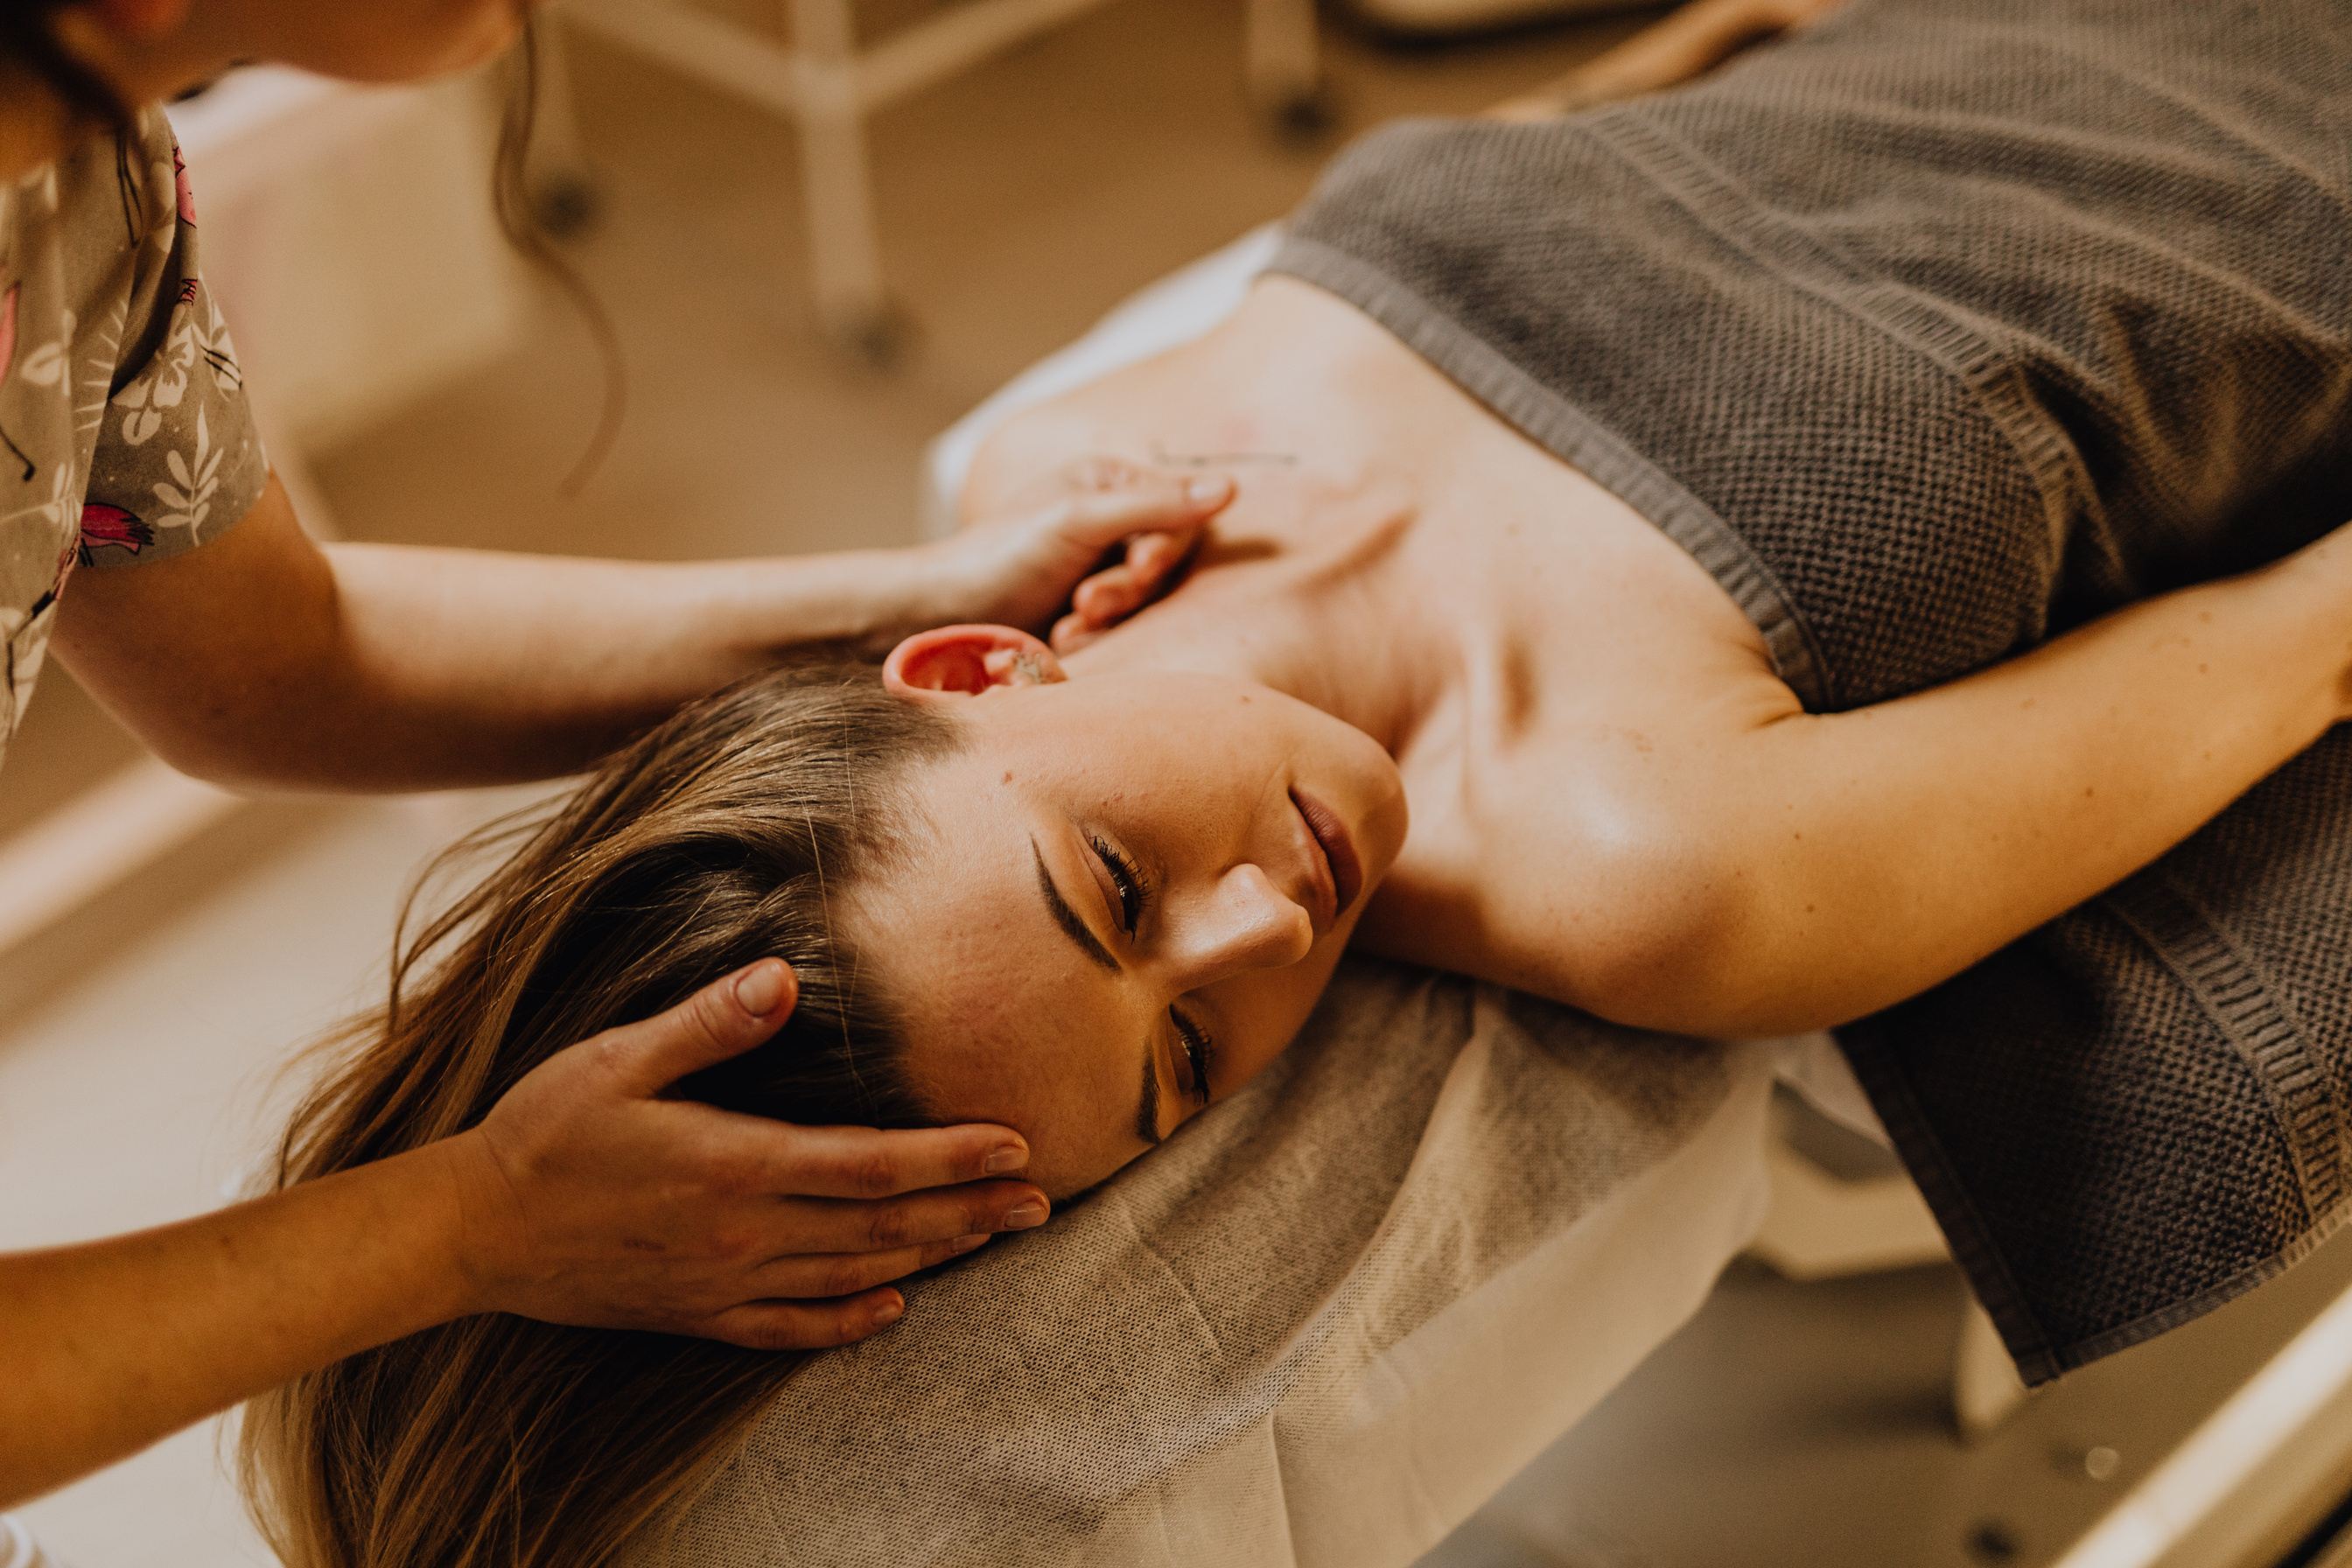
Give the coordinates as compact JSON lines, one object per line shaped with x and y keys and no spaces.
{"x":727,"y":835}
{"x":525,"y":221}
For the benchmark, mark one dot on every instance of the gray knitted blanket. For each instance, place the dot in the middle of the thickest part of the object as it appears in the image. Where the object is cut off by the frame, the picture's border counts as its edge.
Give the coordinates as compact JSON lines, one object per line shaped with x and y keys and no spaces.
{"x":1933,"y":332}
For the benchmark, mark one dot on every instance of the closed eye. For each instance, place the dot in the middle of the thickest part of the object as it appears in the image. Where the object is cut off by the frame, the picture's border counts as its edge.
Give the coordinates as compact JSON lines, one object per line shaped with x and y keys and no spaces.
{"x":1198,"y":1051}
{"x":1126,"y":878}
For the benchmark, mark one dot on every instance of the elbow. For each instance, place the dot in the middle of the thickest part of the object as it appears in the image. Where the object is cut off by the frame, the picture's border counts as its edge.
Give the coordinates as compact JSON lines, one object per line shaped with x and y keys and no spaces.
{"x":1714,"y":994}
{"x":1700,"y":947}
{"x":193,"y":750}
{"x":1685,"y":981}
{"x":1663,"y":911}
{"x":209,"y":762}
{"x":248,"y":759}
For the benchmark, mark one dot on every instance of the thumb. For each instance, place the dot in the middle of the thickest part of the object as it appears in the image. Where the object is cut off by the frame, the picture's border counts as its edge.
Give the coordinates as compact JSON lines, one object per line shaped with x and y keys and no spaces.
{"x":1100,"y":519}
{"x":723,"y":1019}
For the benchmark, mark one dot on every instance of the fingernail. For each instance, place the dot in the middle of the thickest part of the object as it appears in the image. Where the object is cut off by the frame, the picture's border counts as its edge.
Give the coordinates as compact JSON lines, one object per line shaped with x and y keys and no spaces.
{"x":1024,"y":1217}
{"x":759,"y":988}
{"x":1206,"y":489}
{"x":1011,"y":1157}
{"x":966,"y":1243}
{"x":889,"y":1311}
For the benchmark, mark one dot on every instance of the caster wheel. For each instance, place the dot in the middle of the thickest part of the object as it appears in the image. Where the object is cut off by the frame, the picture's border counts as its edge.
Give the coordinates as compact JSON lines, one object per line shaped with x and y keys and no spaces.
{"x":880,"y":338}
{"x":566,"y":206}
{"x":1304,"y":117}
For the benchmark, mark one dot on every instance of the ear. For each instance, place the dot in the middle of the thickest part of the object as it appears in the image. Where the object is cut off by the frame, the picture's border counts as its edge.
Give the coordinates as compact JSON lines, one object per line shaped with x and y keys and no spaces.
{"x":969,"y":661}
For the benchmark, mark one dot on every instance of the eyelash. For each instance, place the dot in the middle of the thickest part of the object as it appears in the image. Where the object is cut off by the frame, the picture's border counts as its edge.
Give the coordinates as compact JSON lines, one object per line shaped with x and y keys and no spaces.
{"x":1127,"y":879}
{"x":1133,"y":890}
{"x":1199,"y":1047}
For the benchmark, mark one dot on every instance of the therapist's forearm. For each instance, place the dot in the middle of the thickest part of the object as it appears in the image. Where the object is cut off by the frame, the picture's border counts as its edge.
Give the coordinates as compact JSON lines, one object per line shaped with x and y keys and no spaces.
{"x":263,"y":661}
{"x":106,"y":1348}
{"x":478,"y":667}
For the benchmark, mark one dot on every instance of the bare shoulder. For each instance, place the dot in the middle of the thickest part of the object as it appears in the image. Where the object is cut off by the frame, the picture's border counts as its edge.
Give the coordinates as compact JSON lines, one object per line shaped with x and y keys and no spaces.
{"x":1577,"y":812}
{"x":1293,"y":367}
{"x":1123,"y":412}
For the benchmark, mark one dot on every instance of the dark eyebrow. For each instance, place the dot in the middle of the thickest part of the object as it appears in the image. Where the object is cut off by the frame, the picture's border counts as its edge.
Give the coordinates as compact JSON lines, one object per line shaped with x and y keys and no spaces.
{"x":1146,"y":1109}
{"x":1068,"y":918}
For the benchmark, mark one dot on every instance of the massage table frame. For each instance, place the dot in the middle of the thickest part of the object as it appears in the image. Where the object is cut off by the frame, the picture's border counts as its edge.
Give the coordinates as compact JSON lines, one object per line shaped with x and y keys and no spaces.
{"x":827,"y":85}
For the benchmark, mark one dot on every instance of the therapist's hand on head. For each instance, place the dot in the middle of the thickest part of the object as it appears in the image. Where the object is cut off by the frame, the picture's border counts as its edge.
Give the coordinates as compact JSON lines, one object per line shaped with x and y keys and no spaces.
{"x":589,"y":1199}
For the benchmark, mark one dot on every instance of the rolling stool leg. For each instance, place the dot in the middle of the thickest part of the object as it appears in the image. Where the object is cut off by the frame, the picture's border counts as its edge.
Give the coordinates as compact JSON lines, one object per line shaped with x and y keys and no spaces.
{"x":565,"y":199}
{"x":844,"y":259}
{"x":1986,"y":1389}
{"x":1284,"y":68}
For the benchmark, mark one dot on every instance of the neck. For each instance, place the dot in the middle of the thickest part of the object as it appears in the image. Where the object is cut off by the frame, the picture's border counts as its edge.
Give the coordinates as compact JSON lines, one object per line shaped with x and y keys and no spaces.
{"x":1325,"y":579}
{"x":1295,"y":618}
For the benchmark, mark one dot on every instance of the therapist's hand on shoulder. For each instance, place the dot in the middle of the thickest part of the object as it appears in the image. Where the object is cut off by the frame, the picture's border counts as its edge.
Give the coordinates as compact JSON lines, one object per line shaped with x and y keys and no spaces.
{"x":589,"y":1199}
{"x":1102,"y":537}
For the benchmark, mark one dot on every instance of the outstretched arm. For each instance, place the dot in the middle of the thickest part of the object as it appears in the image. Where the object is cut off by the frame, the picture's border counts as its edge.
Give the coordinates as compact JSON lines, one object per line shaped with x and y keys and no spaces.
{"x":1782,"y":871}
{"x":265,"y":660}
{"x":1695,"y":39}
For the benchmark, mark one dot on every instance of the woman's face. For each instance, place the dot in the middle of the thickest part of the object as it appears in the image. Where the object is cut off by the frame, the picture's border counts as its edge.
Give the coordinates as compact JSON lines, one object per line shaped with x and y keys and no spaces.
{"x":1135,"y":890}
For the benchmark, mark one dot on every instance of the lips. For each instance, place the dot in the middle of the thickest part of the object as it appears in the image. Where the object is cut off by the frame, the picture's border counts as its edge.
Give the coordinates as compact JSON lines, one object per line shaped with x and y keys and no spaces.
{"x":1338,"y":850}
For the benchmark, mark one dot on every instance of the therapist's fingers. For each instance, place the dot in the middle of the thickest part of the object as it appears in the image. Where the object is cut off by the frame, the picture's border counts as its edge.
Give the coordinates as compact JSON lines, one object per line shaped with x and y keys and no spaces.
{"x":1118,"y":591}
{"x":1070,"y":633}
{"x":852,"y":1273}
{"x":863,"y":1163}
{"x":1109,"y":596}
{"x":1137,"y":499}
{"x":804,"y":1325}
{"x":805,"y":1226}
{"x":1153,"y":563}
{"x":725,"y":1018}
{"x":1090,"y":519}
{"x":1113,"y":487}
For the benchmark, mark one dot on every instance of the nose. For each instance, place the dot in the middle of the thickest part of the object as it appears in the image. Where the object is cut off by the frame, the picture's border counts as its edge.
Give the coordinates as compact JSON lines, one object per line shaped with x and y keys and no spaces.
{"x":1244,"y":922}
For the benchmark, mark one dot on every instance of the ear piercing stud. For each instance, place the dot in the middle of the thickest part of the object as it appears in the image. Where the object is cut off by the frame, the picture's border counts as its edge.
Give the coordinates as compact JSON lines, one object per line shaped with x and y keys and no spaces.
{"x":1030,"y":670}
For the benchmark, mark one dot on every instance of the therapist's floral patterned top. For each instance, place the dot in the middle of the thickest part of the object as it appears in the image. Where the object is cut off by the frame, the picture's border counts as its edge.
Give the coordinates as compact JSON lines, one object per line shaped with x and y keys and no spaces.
{"x":124,"y":432}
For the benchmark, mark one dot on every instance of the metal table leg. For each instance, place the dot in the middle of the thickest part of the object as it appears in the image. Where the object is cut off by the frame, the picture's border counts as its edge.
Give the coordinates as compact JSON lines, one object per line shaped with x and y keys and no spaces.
{"x":1283,"y":65}
{"x":844,"y":255}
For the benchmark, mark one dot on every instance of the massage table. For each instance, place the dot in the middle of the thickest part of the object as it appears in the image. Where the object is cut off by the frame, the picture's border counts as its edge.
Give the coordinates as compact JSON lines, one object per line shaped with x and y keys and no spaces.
{"x":1331,"y":1316}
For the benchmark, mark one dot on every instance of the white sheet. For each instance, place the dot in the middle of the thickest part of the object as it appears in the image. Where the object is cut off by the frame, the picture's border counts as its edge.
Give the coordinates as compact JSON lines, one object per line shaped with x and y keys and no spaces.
{"x":19,"y":1550}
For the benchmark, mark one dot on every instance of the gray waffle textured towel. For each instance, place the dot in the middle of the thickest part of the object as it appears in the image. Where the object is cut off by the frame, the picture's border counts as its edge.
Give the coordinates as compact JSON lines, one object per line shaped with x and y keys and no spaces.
{"x":1931,"y":332}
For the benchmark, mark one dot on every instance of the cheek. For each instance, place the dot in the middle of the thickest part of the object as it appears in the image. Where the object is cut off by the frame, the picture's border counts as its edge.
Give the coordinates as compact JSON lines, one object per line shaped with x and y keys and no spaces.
{"x":1019,"y":1056}
{"x":1077,"y":1121}
{"x":1259,"y":1014}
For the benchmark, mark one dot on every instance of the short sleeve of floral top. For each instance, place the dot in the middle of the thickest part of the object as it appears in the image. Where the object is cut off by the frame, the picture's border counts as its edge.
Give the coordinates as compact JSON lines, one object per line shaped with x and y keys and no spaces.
{"x":124,"y":432}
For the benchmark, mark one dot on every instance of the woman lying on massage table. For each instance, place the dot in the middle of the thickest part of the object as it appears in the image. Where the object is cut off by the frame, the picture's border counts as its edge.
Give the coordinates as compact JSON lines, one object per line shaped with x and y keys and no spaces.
{"x":1086,"y":895}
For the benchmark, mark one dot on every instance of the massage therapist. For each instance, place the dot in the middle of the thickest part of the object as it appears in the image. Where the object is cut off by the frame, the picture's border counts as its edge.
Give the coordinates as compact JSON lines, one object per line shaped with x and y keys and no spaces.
{"x":145,"y":543}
